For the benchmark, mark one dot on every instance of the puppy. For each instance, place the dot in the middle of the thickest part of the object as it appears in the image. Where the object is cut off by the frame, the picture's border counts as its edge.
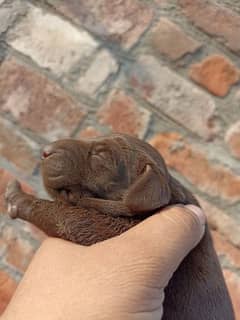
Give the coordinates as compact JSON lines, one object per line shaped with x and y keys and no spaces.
{"x":102,"y":187}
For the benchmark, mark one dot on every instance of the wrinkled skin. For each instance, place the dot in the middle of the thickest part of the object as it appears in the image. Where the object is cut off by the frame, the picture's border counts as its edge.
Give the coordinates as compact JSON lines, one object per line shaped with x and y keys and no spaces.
{"x":104,"y":186}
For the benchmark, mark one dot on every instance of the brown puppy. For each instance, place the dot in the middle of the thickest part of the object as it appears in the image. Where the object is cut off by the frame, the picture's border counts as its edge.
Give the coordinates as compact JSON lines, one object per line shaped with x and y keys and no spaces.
{"x":104,"y":186}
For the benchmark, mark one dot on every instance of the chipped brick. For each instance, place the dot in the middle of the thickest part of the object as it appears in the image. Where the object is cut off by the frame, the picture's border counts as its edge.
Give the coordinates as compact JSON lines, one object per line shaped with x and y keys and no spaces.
{"x":121,"y":21}
{"x":169,"y":39}
{"x":37,"y":103}
{"x":215,"y":73}
{"x":50,"y":41}
{"x":213,"y":179}
{"x":122,"y":114}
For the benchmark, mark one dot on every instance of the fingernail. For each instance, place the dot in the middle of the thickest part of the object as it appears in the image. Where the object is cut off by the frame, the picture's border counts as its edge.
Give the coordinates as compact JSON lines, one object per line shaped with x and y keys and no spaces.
{"x":198,"y":213}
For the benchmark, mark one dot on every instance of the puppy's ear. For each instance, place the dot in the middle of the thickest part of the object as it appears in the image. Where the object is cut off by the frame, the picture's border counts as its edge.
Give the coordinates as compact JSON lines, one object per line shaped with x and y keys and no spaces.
{"x":150,"y":191}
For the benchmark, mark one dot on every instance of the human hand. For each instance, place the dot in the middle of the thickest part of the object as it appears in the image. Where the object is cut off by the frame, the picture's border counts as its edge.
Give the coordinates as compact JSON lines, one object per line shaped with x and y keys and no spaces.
{"x":120,"y":278}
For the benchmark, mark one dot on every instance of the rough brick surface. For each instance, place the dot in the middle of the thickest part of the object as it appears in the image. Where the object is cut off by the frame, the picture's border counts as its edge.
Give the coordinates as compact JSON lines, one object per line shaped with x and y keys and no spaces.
{"x":233,"y":283}
{"x":36,"y":102}
{"x":212,"y":179}
{"x":169,"y":39}
{"x":215,"y":73}
{"x":230,"y":256}
{"x":19,"y":251}
{"x":89,"y":132}
{"x":161,"y":2}
{"x":226,"y":249}
{"x":122,"y":114}
{"x":17,"y":148}
{"x":121,"y":21}
{"x":219,"y":220}
{"x":7,"y":288}
{"x":51,"y":42}
{"x":233,"y":139}
{"x":215,"y":20}
{"x":100,"y":70}
{"x":174,"y":96}
{"x":9,"y":12}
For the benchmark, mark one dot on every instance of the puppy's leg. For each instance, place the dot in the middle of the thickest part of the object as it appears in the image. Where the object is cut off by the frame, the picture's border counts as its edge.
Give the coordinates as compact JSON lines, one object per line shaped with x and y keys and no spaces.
{"x":110,"y":207}
{"x":58,"y":219}
{"x":46,"y":215}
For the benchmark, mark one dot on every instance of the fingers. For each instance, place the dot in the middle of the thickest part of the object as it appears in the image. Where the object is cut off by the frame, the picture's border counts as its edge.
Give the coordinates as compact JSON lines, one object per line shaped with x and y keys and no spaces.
{"x":162,"y":241}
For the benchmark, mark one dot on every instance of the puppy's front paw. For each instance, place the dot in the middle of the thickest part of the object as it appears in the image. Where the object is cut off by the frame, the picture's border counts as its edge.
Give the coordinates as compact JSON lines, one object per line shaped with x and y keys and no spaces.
{"x":13,"y":195}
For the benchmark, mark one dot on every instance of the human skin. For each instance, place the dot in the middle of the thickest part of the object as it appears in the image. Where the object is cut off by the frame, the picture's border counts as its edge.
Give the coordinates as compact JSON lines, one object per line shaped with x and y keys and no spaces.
{"x":120,"y":278}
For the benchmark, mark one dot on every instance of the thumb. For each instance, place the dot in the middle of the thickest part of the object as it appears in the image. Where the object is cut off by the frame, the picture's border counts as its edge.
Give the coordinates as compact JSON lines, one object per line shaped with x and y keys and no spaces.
{"x":162,"y":241}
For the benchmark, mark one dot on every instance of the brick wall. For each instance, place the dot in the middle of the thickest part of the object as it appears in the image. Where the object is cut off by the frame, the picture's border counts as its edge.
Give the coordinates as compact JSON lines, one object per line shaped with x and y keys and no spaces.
{"x":166,"y":71}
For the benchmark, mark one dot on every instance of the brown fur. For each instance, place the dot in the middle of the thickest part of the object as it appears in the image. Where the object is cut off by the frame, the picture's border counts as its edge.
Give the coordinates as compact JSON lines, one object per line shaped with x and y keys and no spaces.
{"x":104,"y":186}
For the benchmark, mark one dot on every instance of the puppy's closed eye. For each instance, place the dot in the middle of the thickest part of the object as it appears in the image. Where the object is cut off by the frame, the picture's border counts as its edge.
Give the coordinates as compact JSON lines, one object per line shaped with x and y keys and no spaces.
{"x":101,"y":157}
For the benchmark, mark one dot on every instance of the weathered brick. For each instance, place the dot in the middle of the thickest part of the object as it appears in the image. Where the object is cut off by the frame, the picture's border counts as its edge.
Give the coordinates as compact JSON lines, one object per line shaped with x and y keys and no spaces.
{"x":233,"y":284}
{"x":7,"y":288}
{"x":89,"y":132}
{"x":37,"y":103}
{"x":232,"y":138}
{"x":212,"y":179}
{"x":122,"y":114}
{"x":17,"y":148}
{"x":161,"y":2}
{"x":121,"y":21}
{"x":169,"y":39}
{"x":215,"y":73}
{"x":225,"y":249}
{"x":50,"y":41}
{"x":215,"y":20}
{"x":174,"y":96}
{"x":5,"y":178}
{"x":230,"y":257}
{"x":222,"y":222}
{"x":100,"y":70}
{"x":19,"y":251}
{"x":9,"y":13}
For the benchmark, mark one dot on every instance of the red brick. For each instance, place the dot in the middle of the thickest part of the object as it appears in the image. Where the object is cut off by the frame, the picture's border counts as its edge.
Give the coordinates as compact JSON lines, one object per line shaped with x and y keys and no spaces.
{"x":174,"y":96}
{"x":169,"y":39}
{"x":161,"y":2}
{"x":121,"y":21}
{"x":37,"y":103}
{"x":5,"y":177}
{"x":222,"y":222}
{"x":50,"y":41}
{"x":212,"y":179}
{"x":7,"y":288}
{"x":19,"y":254}
{"x":215,"y":20}
{"x":19,"y":243}
{"x":36,"y":233}
{"x":233,"y":284}
{"x":226,"y":249}
{"x":122,"y":114}
{"x":232,"y":138}
{"x":89,"y":132}
{"x":17,"y":148}
{"x":215,"y":73}
{"x":231,"y":257}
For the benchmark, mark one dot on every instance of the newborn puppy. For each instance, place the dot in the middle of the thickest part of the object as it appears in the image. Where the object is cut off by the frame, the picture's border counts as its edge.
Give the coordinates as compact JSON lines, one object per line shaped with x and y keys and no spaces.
{"x":104,"y":186}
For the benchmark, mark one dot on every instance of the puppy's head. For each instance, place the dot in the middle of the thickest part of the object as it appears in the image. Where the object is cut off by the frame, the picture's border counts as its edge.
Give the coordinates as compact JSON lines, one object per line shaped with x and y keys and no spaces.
{"x":73,"y":169}
{"x":114,"y":167}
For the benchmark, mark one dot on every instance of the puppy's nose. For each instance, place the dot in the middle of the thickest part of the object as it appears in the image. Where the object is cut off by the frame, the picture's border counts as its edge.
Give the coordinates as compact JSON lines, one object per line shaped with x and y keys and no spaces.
{"x":47,"y":151}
